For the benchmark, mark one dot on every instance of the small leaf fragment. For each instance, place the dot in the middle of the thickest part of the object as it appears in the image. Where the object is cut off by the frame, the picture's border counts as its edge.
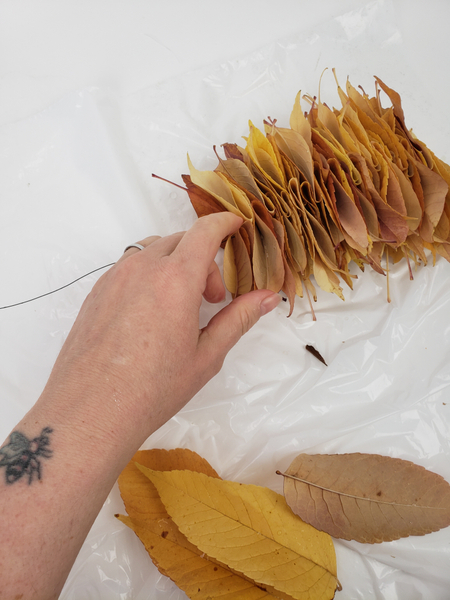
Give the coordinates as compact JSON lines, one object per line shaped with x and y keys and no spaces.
{"x":315,"y":353}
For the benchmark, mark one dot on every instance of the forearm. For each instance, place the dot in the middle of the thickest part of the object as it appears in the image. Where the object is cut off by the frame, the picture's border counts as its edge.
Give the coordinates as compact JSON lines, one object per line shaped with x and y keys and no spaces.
{"x":49,"y":503}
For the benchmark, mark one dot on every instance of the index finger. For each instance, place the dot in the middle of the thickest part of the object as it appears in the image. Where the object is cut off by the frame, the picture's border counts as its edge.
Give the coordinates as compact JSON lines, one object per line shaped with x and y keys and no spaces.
{"x":201,"y":242}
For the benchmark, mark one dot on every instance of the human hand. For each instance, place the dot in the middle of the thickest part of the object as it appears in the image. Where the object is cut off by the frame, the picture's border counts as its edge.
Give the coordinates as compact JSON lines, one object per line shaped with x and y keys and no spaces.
{"x":134,"y":357}
{"x":137,"y":337}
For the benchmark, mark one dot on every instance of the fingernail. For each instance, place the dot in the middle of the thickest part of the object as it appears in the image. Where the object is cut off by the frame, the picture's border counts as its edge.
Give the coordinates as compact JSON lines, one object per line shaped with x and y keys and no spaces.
{"x":269,"y":303}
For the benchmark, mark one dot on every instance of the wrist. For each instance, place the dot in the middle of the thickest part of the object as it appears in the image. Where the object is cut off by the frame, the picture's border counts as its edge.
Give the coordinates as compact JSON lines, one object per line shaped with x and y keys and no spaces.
{"x":92,"y":413}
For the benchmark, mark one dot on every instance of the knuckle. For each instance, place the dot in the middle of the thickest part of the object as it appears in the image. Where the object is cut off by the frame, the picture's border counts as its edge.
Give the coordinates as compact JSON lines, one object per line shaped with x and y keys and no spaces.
{"x":248,"y":317}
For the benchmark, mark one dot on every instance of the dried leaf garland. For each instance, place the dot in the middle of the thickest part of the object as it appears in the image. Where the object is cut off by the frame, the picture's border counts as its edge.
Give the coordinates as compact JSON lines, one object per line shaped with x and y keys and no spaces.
{"x":238,"y":542}
{"x":366,"y":497}
{"x":340,"y":186}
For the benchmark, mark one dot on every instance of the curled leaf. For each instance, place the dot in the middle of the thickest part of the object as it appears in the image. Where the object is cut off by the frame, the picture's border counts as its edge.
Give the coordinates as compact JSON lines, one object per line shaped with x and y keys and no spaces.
{"x":238,"y":273}
{"x":268,"y":266}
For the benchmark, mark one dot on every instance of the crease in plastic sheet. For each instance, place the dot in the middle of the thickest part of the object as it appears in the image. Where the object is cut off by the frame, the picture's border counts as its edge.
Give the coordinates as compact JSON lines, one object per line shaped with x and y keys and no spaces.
{"x":387,"y":384}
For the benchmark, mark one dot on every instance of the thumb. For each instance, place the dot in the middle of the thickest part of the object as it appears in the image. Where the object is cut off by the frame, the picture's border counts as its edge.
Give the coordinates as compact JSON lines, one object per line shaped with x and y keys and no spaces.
{"x":228,"y":326}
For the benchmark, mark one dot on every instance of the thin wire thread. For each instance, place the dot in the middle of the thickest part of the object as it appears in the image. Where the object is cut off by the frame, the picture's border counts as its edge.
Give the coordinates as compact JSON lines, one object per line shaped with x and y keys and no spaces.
{"x":58,"y":289}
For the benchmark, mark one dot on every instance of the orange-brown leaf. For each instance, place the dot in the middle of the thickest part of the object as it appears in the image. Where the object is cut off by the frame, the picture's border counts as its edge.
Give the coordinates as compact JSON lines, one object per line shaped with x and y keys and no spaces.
{"x":202,"y":202}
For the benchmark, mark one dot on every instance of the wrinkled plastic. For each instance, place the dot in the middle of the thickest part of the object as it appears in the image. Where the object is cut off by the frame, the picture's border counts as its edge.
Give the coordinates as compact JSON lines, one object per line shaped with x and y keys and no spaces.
{"x":89,"y":161}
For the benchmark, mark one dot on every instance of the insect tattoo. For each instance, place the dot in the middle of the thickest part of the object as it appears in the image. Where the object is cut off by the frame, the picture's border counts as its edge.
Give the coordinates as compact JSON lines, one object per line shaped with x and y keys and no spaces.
{"x":22,"y":457}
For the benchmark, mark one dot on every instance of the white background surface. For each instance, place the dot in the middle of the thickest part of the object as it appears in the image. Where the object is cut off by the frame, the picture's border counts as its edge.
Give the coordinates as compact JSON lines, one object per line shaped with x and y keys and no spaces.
{"x":95,"y":96}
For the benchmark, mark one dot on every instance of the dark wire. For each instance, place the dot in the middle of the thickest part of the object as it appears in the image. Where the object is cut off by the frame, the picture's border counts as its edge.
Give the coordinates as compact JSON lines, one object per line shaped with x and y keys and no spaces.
{"x":58,"y":289}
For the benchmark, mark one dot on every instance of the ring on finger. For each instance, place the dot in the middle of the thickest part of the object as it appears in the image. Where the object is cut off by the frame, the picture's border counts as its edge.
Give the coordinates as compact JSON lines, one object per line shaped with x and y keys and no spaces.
{"x":138,"y":246}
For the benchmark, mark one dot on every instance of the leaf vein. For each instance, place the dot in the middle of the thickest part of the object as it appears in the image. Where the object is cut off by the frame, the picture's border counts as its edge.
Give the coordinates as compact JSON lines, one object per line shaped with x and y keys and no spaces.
{"x":367,"y":499}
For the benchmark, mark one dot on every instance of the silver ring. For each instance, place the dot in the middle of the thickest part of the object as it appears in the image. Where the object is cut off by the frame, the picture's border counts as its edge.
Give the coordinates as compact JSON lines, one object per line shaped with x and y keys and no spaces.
{"x":138,"y":246}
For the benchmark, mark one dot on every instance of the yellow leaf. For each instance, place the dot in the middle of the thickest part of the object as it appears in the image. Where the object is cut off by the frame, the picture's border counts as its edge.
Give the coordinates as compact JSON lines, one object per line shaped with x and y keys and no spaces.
{"x":212,"y":183}
{"x":268,"y":267}
{"x":326,"y":279}
{"x":252,"y":530}
{"x":198,"y":577}
{"x":240,"y":198}
{"x":299,"y":123}
{"x":139,"y":495}
{"x":263,"y":155}
{"x":237,"y":266}
{"x":296,"y":148}
{"x":296,"y":246}
{"x":171,"y":552}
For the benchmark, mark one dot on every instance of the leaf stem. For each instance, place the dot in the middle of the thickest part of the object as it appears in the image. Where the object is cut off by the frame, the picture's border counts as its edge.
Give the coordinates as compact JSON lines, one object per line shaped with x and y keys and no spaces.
{"x":411,"y":277}
{"x":310,"y":304}
{"x":171,"y":182}
{"x":387,"y":275}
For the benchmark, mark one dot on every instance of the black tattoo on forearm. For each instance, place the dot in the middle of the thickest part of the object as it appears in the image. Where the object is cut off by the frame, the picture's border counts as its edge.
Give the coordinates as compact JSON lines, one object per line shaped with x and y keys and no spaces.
{"x":21,"y":456}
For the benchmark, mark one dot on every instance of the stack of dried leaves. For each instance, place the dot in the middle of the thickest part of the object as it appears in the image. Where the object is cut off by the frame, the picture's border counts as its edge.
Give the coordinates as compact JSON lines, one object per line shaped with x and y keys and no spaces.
{"x":338,"y":186}
{"x":229,"y":541}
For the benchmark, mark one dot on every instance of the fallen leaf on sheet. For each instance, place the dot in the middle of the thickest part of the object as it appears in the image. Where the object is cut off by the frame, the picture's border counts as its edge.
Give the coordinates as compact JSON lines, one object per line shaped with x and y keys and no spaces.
{"x":193,"y":572}
{"x":345,"y":186}
{"x":136,"y":489}
{"x":366,"y":497}
{"x":252,"y":530}
{"x":171,"y":552}
{"x":315,"y":353}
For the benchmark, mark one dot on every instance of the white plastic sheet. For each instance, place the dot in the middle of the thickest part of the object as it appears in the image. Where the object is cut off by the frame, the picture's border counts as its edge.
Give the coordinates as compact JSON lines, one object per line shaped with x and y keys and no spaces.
{"x":88,"y":160}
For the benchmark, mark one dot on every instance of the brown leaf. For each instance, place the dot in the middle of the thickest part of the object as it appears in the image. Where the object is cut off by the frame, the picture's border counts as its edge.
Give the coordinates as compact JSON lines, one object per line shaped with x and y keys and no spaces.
{"x":377,"y":128}
{"x":202,"y":202}
{"x":366,"y":497}
{"x":412,"y":203}
{"x":435,"y":190}
{"x":240,"y":173}
{"x":395,"y":99}
{"x":297,"y":149}
{"x":315,"y":353}
{"x":237,"y":267}
{"x":289,"y":284}
{"x":296,"y":246}
{"x":213,"y":184}
{"x":393,"y":226}
{"x":350,"y":218}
